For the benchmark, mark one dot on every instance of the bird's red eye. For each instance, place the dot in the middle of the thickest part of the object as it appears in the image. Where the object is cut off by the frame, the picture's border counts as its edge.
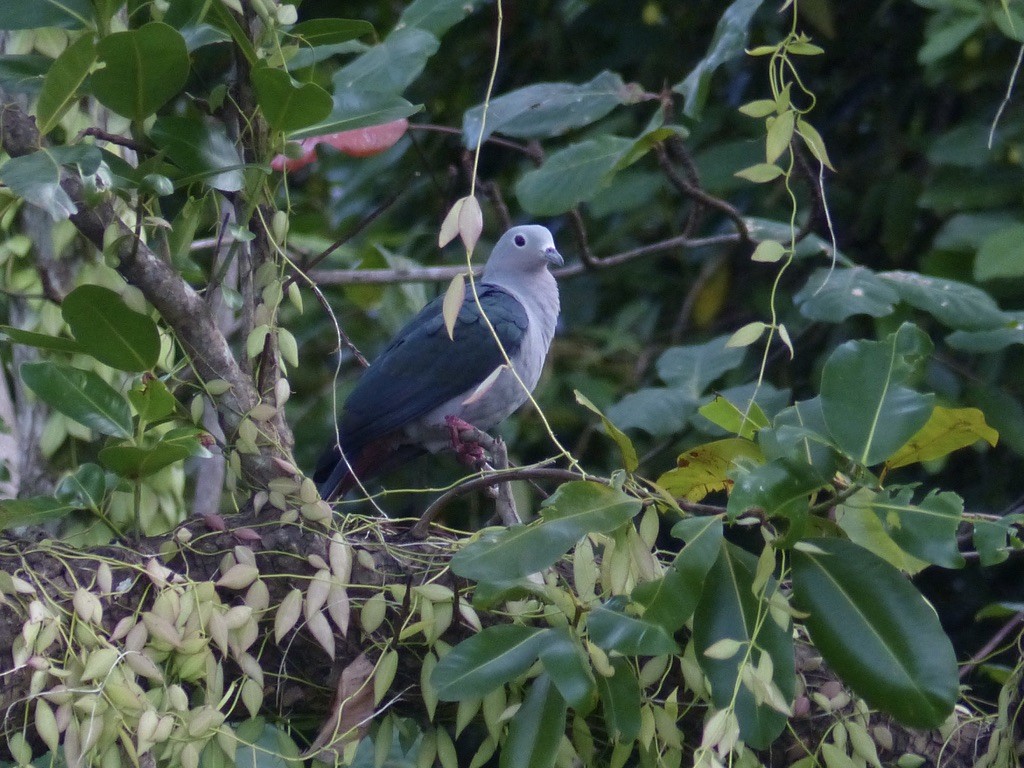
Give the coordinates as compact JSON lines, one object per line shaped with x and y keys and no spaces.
{"x":520,"y":240}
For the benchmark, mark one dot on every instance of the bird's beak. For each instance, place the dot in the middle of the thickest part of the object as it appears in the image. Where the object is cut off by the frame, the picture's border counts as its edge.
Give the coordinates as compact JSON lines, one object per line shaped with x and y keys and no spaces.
{"x":554,"y":258}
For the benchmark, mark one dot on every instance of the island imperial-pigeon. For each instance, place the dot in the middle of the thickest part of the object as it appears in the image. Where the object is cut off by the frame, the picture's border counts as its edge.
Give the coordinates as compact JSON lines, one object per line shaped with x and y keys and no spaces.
{"x":426,"y":386}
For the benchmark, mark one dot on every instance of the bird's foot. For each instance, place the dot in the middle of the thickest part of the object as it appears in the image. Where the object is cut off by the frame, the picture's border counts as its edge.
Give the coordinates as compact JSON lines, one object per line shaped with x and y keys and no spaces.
{"x":467,"y":441}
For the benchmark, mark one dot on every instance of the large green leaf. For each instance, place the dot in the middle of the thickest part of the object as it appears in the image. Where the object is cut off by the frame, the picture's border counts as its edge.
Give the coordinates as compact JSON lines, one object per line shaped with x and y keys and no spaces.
{"x":800,"y":436}
{"x":928,"y":529}
{"x":201,"y":149}
{"x":86,"y":487}
{"x":571,"y":175}
{"x":355,"y":108}
{"x":574,"y":510}
{"x":437,"y":16}
{"x":543,"y":110}
{"x":671,"y":600}
{"x":865,"y":398}
{"x":694,"y":367}
{"x":536,"y":729}
{"x":391,"y":66}
{"x":24,"y":73}
{"x":145,"y":68}
{"x":60,"y":88}
{"x":288,"y":105}
{"x":728,"y":43}
{"x":999,"y":255}
{"x":566,"y":663}
{"x":876,"y":630}
{"x":952,"y":303}
{"x":836,"y":294}
{"x":660,"y":411}
{"x":728,"y":609}
{"x":36,"y":177}
{"x":316,"y":32}
{"x":80,"y":395}
{"x":106,"y":328}
{"x":610,"y":628}
{"x":991,"y":340}
{"x":620,"y":701}
{"x":488,"y":659}
{"x":135,"y":461}
{"x":40,"y":509}
{"x":40,"y":340}
{"x":29,"y":14}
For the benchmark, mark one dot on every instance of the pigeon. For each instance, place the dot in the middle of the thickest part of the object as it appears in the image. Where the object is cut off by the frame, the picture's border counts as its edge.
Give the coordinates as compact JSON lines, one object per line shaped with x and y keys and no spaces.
{"x":427,"y":387}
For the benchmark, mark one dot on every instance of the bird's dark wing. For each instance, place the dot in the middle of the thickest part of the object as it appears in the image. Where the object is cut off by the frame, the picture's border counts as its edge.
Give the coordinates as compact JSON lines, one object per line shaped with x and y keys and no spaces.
{"x":423,"y":368}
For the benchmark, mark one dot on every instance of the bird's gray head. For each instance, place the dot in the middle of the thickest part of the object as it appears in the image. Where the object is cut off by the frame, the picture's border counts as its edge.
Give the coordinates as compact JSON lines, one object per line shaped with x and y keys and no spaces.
{"x":523,"y":250}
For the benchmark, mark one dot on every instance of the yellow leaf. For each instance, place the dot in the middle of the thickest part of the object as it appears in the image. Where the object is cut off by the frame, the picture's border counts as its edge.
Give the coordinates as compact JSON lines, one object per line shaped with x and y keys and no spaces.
{"x":947,"y":430}
{"x":704,"y":469}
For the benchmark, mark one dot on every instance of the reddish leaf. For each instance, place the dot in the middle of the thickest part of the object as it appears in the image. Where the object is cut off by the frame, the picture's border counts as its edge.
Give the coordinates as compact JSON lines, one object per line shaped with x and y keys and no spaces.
{"x":359,"y":142}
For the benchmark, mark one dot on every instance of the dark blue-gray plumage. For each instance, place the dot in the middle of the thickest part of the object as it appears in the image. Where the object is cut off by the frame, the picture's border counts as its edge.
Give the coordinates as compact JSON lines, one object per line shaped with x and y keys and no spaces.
{"x":403,"y":401}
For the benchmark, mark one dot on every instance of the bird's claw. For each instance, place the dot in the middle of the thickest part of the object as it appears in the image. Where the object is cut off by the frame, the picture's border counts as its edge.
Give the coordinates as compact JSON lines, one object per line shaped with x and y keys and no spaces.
{"x":468,"y":451}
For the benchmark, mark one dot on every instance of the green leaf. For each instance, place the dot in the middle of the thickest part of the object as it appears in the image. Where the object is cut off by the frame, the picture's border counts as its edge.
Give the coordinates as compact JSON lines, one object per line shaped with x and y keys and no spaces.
{"x":79,"y":395}
{"x":135,"y":462}
{"x":70,"y":14}
{"x":625,"y":445}
{"x":760,"y":173}
{"x":659,"y":411}
{"x":287,"y":105}
{"x":729,"y":42}
{"x":144,"y":68}
{"x":954,"y":304}
{"x":620,"y":701}
{"x":86,"y":487}
{"x":106,"y":328}
{"x":695,"y":367}
{"x":566,"y":663}
{"x":571,"y":175}
{"x":943,"y":39}
{"x":391,"y":66}
{"x":437,"y":16}
{"x":36,"y":177}
{"x":487,"y":660}
{"x":24,"y":73}
{"x":876,"y":631}
{"x":544,"y":110}
{"x":870,"y":421}
{"x":779,"y":488}
{"x":799,"y":435}
{"x":670,"y":600}
{"x":570,"y":513}
{"x":201,"y":149}
{"x":999,"y":255}
{"x":152,"y":400}
{"x":40,"y":340}
{"x":742,"y":422}
{"x":611,"y":629}
{"x":780,"y":134}
{"x":60,"y":88}
{"x":834,"y":295}
{"x":927,"y":530}
{"x":706,"y":468}
{"x":947,"y":430}
{"x":729,"y":609}
{"x":990,"y":538}
{"x":330,"y":31}
{"x":34,"y":511}
{"x":536,"y":730}
{"x":992,"y":340}
{"x":858,"y":521}
{"x":358,"y":109}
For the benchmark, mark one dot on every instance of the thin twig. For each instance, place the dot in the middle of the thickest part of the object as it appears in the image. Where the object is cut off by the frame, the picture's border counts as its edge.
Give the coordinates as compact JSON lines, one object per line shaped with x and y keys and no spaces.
{"x":112,"y":138}
{"x":419,"y":530}
{"x":359,"y":227}
{"x":526,"y":149}
{"x":398,"y":275}
{"x":993,"y":642}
